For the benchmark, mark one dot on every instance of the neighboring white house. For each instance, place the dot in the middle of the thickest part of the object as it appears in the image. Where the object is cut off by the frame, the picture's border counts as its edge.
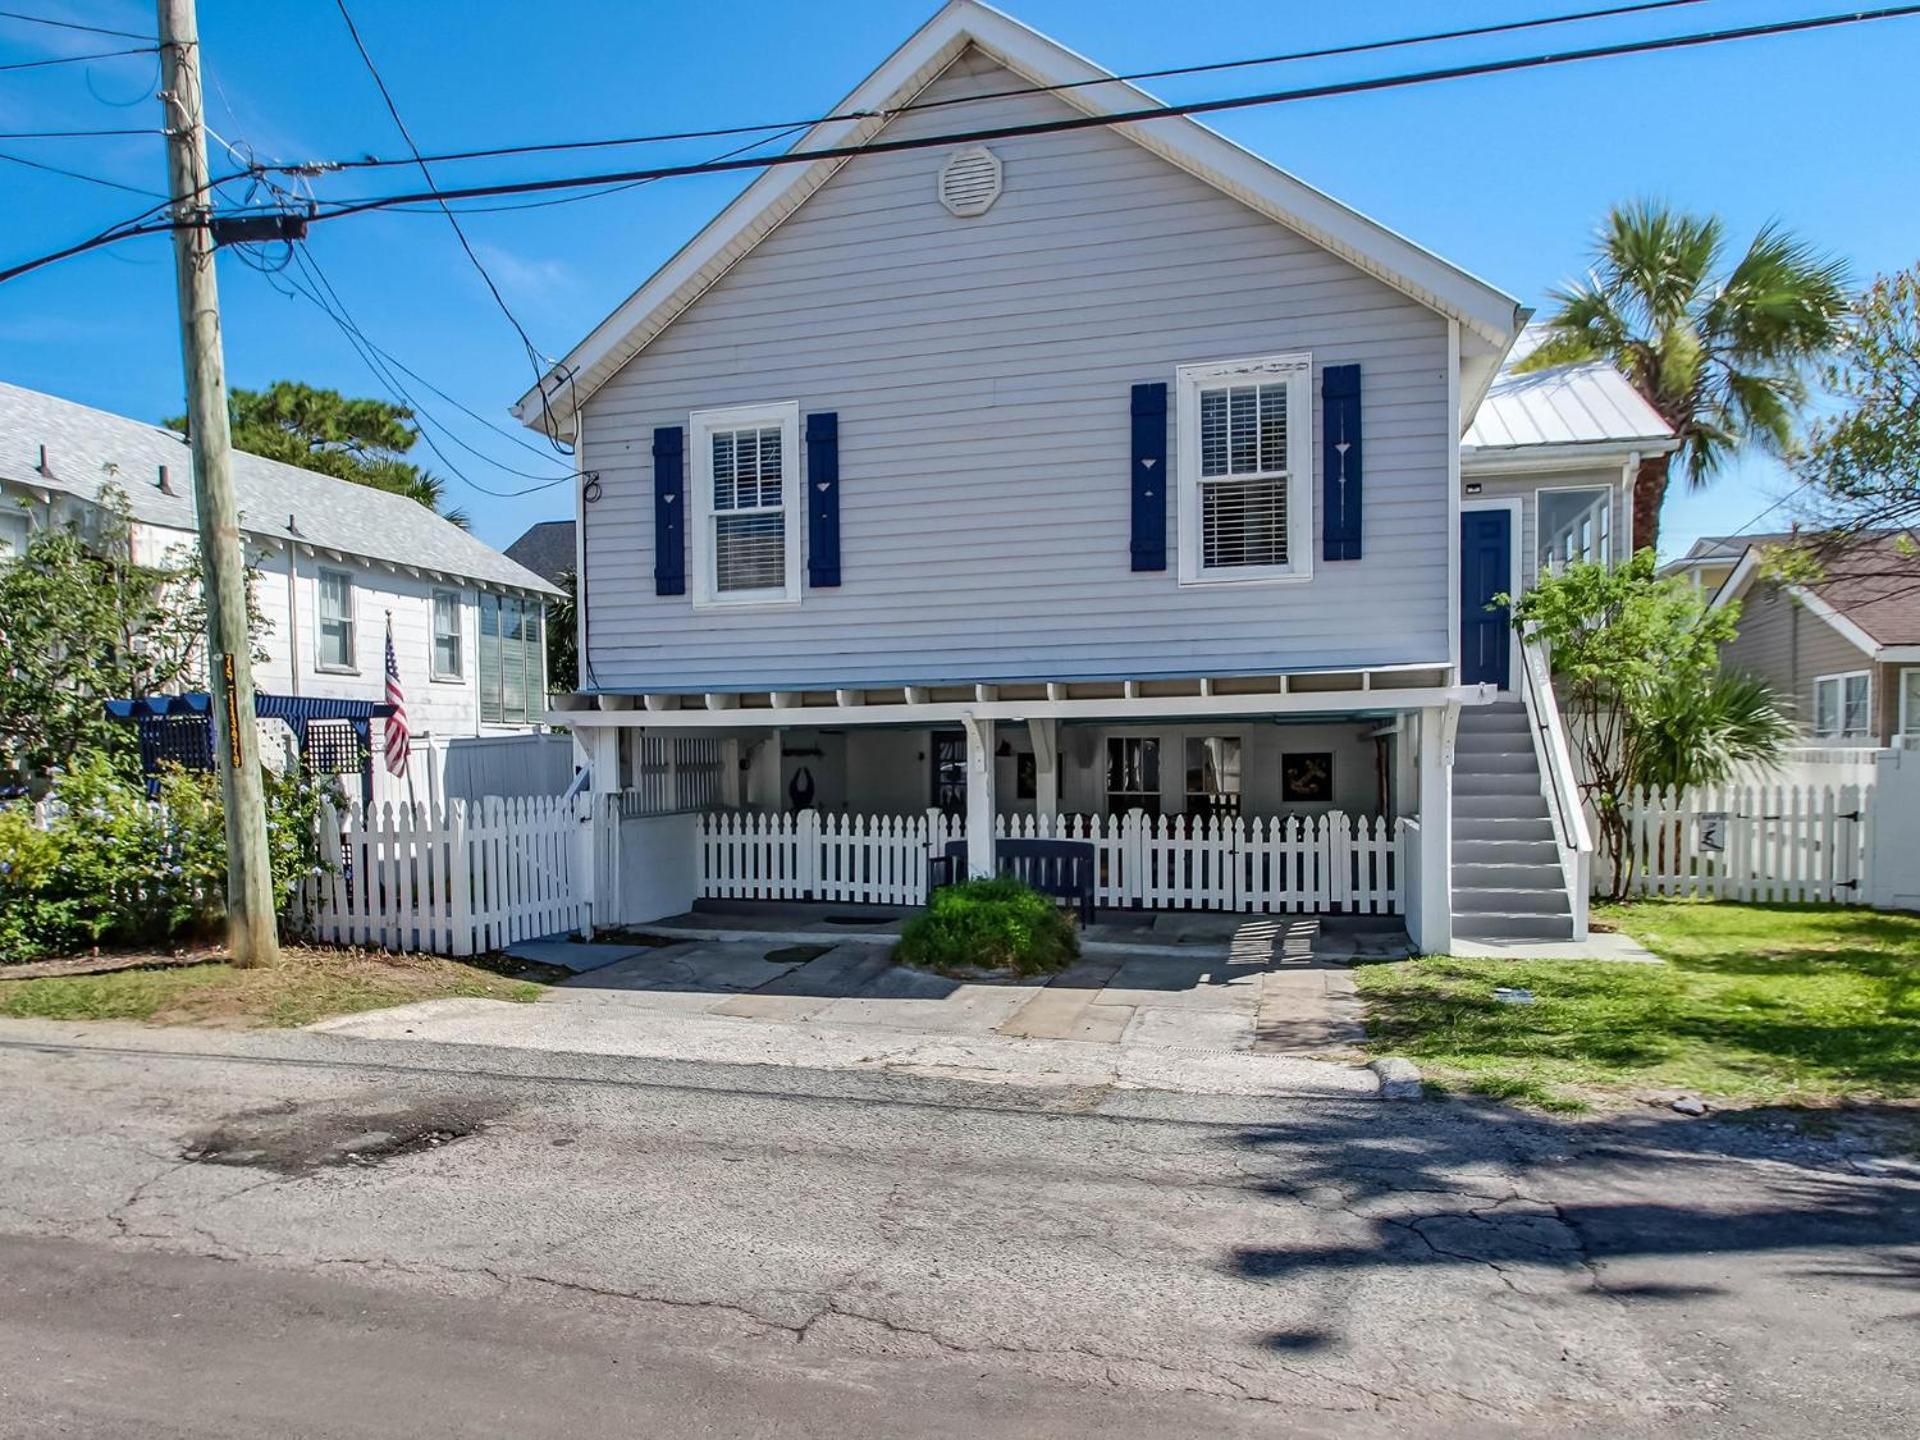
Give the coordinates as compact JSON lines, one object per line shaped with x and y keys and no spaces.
{"x":335,"y":561}
{"x":1083,"y":473}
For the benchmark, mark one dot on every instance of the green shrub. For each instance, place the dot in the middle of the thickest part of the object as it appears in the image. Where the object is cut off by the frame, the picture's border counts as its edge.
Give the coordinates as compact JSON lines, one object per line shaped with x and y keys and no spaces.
{"x":997,"y":924}
{"x":114,"y":868}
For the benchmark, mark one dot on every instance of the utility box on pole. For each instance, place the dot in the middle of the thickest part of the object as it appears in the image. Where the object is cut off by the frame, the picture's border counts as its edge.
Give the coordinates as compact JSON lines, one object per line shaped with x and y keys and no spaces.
{"x":252,"y":925}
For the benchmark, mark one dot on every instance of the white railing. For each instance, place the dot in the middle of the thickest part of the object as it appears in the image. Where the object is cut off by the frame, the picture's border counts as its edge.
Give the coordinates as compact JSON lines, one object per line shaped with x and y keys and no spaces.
{"x":673,"y":773}
{"x":461,"y":879}
{"x":1553,"y":756}
{"x":1324,"y":863}
{"x":1770,"y":843}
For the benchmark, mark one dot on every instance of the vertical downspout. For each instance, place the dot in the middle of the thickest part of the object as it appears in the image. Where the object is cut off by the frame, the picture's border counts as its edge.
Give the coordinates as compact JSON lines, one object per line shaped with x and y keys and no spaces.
{"x":293,"y":613}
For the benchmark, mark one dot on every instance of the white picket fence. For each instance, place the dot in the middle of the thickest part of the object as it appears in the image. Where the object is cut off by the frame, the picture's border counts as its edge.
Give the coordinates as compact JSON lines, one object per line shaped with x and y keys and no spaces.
{"x":461,"y":879}
{"x":1767,"y":843}
{"x":1326,"y":863}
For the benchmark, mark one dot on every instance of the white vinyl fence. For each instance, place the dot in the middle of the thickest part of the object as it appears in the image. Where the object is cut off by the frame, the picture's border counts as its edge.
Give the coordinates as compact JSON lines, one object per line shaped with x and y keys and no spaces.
{"x":456,"y":880}
{"x":1329,"y":862}
{"x":1749,"y":842}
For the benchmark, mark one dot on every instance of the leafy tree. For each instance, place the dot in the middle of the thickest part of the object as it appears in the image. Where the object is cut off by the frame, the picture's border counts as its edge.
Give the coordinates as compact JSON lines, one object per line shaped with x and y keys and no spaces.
{"x":1865,"y":460}
{"x":365,"y":441}
{"x":563,"y":636}
{"x":1719,"y":351}
{"x":84,"y":624}
{"x":1636,"y":661}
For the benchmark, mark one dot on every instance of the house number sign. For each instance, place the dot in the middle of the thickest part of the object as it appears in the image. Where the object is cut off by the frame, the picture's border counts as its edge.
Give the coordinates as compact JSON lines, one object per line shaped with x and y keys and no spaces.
{"x":1713,"y":831}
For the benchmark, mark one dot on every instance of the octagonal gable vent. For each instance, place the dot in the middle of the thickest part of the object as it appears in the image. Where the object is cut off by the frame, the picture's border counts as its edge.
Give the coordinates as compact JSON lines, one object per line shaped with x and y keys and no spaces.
{"x":970,"y":181}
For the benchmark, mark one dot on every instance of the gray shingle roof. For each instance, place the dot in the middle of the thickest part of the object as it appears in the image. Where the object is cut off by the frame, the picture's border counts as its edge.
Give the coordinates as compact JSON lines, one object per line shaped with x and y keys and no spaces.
{"x":88,"y":448}
{"x":546,"y":549}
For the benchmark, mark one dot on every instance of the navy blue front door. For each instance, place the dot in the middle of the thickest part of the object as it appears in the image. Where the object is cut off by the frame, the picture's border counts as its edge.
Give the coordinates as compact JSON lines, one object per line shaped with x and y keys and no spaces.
{"x":1486,"y":570}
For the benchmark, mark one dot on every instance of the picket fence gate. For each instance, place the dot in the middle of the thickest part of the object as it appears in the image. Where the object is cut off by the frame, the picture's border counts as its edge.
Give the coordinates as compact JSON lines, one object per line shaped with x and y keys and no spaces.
{"x":1325,"y":863}
{"x":461,"y":879}
{"x":1767,"y":843}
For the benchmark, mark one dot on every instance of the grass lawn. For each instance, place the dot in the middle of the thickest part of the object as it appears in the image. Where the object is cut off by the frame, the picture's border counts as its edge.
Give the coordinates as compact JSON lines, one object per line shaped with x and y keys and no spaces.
{"x":1762,"y":1004}
{"x":309,"y":984}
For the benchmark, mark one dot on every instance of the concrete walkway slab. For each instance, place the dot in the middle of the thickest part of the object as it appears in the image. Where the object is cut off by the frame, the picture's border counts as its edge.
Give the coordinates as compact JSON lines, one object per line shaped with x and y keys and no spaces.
{"x":1598,"y":946}
{"x":576,"y":955}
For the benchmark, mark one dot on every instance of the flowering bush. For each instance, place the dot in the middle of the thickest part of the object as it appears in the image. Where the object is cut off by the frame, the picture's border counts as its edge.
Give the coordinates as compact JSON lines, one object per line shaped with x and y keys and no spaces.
{"x":109,"y":865}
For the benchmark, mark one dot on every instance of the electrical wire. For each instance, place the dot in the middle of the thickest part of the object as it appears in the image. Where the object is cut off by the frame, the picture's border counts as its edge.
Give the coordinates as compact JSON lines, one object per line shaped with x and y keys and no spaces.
{"x":1128,"y":117}
{"x":1361,"y":47}
{"x":81,"y":175}
{"x":74,"y":134}
{"x":71,"y":25}
{"x":540,"y":362}
{"x":78,"y":59}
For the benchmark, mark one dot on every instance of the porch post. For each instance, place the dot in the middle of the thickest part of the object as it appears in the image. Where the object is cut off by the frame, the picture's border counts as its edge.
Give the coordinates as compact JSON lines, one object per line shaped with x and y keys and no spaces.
{"x":730,"y":772}
{"x":1435,"y":900}
{"x":599,"y":870}
{"x":980,"y":796}
{"x":1046,"y":768}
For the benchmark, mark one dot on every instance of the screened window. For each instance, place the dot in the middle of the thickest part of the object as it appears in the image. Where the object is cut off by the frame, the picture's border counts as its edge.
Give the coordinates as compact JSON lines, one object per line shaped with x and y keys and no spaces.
{"x":1910,"y":707}
{"x":1246,"y":469}
{"x":447,"y":657}
{"x":1213,"y":775}
{"x":512,"y":661}
{"x":1843,"y":706}
{"x":1133,"y":774}
{"x":335,"y":628}
{"x":746,"y":486}
{"x":1573,"y":526}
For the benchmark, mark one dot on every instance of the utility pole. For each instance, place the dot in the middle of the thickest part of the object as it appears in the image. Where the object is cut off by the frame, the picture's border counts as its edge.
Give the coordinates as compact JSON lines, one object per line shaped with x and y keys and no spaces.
{"x":252,"y":934}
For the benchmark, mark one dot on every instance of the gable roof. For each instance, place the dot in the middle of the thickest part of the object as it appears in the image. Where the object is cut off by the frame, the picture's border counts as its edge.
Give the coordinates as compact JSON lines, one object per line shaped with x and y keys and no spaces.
{"x":1589,"y":405}
{"x":1871,"y":594}
{"x":88,"y":449}
{"x":546,"y":549}
{"x":1489,"y":319}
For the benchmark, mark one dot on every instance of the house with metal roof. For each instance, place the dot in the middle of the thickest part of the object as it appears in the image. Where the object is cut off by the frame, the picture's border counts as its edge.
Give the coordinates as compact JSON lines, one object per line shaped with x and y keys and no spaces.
{"x":336,"y":564}
{"x":1062,"y":482}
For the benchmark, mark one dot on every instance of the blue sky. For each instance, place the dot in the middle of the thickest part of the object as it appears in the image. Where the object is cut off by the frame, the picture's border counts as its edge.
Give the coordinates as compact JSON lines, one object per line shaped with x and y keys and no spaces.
{"x":1506,"y":175}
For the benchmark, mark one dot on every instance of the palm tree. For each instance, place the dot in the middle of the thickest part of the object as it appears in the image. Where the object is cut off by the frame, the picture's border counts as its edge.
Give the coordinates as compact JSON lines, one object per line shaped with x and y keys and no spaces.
{"x":1720,"y":353}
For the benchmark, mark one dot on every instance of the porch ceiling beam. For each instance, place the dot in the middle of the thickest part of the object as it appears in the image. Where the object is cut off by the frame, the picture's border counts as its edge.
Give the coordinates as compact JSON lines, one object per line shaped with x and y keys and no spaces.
{"x":718,"y":701}
{"x":849,"y":698}
{"x":1119,"y":711}
{"x":657,"y":704}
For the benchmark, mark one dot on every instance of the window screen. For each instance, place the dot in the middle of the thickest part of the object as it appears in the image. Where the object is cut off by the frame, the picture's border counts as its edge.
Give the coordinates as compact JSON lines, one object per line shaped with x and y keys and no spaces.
{"x":749,"y":523}
{"x":1243,"y":475}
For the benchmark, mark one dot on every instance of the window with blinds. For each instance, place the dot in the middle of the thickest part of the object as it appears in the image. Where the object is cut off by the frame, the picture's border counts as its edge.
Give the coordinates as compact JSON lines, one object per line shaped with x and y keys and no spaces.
{"x":513,"y":686}
{"x":748,"y":498}
{"x":1245,"y":463}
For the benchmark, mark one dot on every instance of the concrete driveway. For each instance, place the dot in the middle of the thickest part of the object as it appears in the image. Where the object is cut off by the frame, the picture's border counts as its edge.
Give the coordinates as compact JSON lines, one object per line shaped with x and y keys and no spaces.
{"x":1225,"y":1005}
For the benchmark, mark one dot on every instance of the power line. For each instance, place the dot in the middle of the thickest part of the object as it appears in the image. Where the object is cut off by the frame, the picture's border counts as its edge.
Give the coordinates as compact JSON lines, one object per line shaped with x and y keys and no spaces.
{"x":74,"y":134}
{"x":441,"y":195}
{"x":79,"y":59}
{"x":1357,"y":48}
{"x":535,"y":358}
{"x":70,"y":25}
{"x":81,"y":175}
{"x":1128,"y":117}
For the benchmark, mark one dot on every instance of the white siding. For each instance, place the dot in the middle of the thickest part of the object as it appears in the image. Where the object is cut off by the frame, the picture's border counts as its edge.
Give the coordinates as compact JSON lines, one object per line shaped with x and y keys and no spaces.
{"x":981,"y":371}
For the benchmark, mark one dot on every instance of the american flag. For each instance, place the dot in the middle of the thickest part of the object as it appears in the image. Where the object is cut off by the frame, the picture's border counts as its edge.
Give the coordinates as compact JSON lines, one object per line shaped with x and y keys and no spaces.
{"x":398,"y":738}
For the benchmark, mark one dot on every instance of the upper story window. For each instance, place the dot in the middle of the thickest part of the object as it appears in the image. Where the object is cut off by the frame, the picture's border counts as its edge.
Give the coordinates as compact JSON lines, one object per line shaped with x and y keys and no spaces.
{"x":1843,"y":706}
{"x":1246,"y":469}
{"x":1573,"y":525}
{"x":448,"y":658}
{"x":513,"y":683}
{"x":747,"y":504}
{"x":335,"y":628}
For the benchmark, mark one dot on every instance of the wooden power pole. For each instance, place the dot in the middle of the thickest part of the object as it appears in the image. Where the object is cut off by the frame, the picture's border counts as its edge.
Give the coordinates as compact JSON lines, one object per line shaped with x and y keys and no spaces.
{"x":252,"y":935}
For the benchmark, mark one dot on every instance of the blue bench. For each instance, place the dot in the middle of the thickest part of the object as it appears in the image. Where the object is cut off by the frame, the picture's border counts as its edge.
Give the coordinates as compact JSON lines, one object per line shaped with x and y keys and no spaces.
{"x":1062,"y":869}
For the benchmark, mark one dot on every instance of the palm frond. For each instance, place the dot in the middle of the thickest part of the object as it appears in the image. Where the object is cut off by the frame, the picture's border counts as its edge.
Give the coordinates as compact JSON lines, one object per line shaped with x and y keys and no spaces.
{"x":1784,"y":303}
{"x":1706,"y":729}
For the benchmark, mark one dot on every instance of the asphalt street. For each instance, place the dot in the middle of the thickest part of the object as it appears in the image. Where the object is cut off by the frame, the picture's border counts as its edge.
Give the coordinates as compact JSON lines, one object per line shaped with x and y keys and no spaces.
{"x":299,"y":1234}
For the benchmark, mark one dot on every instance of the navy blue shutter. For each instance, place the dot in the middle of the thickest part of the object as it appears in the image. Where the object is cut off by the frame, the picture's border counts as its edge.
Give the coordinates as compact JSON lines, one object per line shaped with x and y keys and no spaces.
{"x":823,"y":499}
{"x":669,"y":511}
{"x":1150,"y":476}
{"x":1340,"y":465}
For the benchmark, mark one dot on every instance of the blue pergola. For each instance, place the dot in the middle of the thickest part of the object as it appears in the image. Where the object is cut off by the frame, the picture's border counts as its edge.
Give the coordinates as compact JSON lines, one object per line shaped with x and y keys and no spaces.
{"x":178,"y":730}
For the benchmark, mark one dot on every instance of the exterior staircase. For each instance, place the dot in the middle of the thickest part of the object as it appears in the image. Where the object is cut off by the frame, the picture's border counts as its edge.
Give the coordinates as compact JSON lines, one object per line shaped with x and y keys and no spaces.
{"x":1507,"y":880}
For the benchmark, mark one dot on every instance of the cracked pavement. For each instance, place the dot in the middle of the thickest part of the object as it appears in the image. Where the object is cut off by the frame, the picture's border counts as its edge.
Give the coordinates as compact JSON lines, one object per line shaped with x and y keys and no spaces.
{"x":296,"y":1233}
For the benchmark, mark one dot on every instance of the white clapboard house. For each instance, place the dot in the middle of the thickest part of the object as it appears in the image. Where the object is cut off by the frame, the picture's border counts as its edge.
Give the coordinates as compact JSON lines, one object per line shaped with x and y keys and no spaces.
{"x":334,"y":562}
{"x":1099,"y":483}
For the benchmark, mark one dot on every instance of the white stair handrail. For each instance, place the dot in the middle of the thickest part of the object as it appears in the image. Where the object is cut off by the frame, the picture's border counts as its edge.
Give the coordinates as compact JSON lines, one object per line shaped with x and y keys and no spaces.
{"x":1554,"y":757}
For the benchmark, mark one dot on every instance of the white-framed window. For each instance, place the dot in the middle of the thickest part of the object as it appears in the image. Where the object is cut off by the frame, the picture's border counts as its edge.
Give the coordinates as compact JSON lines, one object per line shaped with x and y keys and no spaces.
{"x":1245,"y":432}
{"x":1572,"y":525}
{"x":1213,"y":775}
{"x":512,"y":658}
{"x":1910,"y":708}
{"x":1133,"y":774}
{"x":448,"y":657}
{"x":1843,"y":706}
{"x":746,"y":505}
{"x":13,"y":531}
{"x":334,"y":632}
